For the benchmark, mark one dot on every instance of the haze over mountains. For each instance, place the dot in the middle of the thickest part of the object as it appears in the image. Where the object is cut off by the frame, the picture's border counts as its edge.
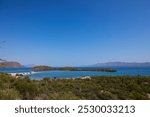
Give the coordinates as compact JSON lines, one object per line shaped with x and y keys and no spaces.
{"x":14,"y":64}
{"x":30,"y":65}
{"x":127,"y":64}
{"x":10,"y":64}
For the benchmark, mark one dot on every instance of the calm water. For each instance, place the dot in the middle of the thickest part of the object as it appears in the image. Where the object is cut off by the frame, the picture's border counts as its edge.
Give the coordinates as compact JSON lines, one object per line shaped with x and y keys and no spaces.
{"x":134,"y":71}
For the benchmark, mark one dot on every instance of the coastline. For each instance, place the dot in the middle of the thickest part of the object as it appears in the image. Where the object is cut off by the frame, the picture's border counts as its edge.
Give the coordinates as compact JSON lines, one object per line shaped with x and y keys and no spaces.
{"x":33,"y":74}
{"x":22,"y":73}
{"x":30,"y":73}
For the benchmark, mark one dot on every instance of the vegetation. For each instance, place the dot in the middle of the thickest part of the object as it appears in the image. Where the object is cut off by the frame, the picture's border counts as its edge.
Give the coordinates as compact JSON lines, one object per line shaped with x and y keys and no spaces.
{"x":43,"y":68}
{"x":68,"y":68}
{"x":98,"y":69}
{"x":38,"y":68}
{"x":96,"y":88}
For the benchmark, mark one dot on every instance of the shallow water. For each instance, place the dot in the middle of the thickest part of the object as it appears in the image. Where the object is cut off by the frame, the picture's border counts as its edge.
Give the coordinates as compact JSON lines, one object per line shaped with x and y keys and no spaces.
{"x":133,"y":71}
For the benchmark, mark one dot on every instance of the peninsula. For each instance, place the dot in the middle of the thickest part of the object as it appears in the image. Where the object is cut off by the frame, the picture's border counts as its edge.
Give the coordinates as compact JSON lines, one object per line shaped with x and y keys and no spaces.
{"x":47,"y":68}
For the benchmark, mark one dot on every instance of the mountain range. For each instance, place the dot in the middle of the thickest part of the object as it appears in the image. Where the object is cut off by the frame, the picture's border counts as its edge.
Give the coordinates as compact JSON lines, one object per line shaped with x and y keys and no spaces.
{"x":14,"y":64}
{"x":126,"y":64}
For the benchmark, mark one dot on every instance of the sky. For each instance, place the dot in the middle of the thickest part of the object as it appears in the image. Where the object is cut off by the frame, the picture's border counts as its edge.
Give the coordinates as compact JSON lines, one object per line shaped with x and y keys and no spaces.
{"x":74,"y":32}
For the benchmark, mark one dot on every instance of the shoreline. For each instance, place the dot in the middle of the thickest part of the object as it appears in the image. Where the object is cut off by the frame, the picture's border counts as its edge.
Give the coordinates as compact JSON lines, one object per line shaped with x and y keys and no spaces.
{"x":22,"y":73}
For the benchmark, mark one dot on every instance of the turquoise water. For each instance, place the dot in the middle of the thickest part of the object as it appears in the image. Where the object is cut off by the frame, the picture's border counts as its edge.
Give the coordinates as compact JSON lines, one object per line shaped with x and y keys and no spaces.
{"x":133,"y":71}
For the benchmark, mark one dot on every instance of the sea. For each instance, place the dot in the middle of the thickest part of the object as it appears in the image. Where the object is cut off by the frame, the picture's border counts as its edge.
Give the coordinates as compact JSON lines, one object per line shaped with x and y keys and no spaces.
{"x":121,"y":71}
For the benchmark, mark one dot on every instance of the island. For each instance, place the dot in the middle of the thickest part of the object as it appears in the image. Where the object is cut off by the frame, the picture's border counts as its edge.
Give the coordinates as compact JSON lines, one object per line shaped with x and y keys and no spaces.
{"x":67,"y":68}
{"x":42,"y":68}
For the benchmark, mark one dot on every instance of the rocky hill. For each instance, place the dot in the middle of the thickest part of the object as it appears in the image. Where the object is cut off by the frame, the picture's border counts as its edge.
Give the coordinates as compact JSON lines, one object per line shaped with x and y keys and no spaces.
{"x":9,"y":64}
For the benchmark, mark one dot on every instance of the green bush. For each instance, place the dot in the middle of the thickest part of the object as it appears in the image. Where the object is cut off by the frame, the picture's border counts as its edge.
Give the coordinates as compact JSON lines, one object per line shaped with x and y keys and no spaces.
{"x":9,"y":94}
{"x":97,"y":88}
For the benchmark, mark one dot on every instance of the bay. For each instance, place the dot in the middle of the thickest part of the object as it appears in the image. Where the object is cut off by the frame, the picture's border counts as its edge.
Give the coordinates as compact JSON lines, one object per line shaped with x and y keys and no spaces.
{"x":121,"y":71}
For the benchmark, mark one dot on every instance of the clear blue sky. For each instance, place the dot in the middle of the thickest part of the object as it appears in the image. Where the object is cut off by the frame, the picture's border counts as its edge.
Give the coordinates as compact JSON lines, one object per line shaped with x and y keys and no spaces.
{"x":74,"y":32}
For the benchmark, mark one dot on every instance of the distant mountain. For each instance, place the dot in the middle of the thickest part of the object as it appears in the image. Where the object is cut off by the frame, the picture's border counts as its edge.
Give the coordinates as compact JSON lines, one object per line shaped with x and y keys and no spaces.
{"x":1,"y":60}
{"x":9,"y":64}
{"x":130,"y":64}
{"x":30,"y":65}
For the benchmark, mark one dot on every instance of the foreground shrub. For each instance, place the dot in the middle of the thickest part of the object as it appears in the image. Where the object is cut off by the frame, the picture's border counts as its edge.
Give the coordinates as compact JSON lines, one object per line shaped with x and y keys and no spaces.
{"x":95,"y":88}
{"x":9,"y":94}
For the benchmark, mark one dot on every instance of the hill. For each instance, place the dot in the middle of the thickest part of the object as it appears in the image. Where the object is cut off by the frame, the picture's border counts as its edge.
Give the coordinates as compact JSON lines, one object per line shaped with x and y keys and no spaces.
{"x":45,"y":68}
{"x":127,"y":64}
{"x":9,"y":64}
{"x":42,"y":68}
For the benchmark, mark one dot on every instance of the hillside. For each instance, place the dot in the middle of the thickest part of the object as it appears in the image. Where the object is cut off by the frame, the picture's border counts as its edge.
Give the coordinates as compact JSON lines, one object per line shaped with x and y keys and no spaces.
{"x":9,"y":64}
{"x":42,"y":68}
{"x":46,"y":68}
